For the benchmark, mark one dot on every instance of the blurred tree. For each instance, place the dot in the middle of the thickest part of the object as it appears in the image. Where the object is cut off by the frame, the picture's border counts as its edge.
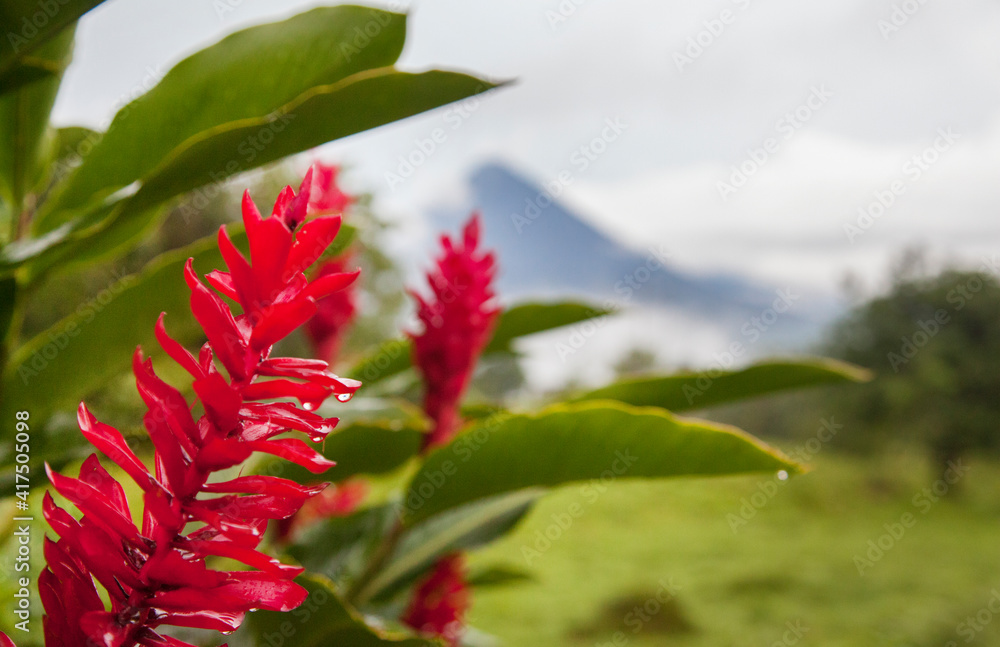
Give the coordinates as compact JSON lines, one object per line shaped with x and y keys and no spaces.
{"x":934,"y":342}
{"x":636,"y":361}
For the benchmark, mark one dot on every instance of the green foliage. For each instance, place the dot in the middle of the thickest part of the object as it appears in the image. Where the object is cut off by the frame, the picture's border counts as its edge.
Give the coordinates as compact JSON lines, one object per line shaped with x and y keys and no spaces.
{"x":25,"y":137}
{"x":792,"y":561}
{"x":578,"y":442}
{"x":711,"y":388}
{"x":28,"y":27}
{"x":325,"y":619}
{"x":933,"y":341}
{"x":215,"y":115}
{"x":254,"y":98}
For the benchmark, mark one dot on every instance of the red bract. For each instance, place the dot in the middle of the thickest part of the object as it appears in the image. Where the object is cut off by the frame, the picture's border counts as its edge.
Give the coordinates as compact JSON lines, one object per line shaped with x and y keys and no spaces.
{"x":157,"y":575}
{"x":440,"y":601}
{"x":458,"y":321}
{"x":334,"y":314}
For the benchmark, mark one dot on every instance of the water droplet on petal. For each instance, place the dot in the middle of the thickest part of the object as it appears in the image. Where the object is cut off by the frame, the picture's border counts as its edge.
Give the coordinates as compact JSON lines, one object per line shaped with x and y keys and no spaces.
{"x":782,"y":475}
{"x":308,"y":406}
{"x":343,"y":397}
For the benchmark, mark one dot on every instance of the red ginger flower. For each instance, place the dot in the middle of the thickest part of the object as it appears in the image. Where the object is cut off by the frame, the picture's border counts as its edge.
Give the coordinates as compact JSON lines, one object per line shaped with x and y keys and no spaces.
{"x":441,"y":601}
{"x":458,"y":322}
{"x":157,"y":575}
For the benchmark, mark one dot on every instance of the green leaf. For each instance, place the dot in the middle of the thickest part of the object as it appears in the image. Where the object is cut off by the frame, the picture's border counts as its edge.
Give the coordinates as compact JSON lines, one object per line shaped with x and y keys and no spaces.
{"x":579,"y":442}
{"x":339,"y":547}
{"x":24,"y":122}
{"x":77,"y":355}
{"x":246,"y":76}
{"x":460,"y":529}
{"x":352,"y":449}
{"x":27,"y":25}
{"x":358,"y":103}
{"x":498,"y":575}
{"x":395,"y":356}
{"x":255,"y":97}
{"x":709,"y":388}
{"x":325,"y":619}
{"x":531,"y":318}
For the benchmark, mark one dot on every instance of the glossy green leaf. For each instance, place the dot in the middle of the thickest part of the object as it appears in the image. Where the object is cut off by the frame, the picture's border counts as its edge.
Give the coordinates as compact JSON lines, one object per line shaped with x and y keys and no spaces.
{"x":57,"y":368}
{"x":243,"y":120}
{"x":248,"y":75}
{"x":460,"y":529}
{"x":394,"y":357}
{"x":580,"y":442}
{"x":323,"y":114}
{"x":325,"y":619}
{"x":27,"y":25}
{"x":708,"y":388}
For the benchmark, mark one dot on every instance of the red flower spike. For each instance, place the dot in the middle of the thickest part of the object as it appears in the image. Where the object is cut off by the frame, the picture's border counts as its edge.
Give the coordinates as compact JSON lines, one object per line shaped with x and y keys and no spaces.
{"x":458,"y":322}
{"x":440,"y":601}
{"x":158,"y":575}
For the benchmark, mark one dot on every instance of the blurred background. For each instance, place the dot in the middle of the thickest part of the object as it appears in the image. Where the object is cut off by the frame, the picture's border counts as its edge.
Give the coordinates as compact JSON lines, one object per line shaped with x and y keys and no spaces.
{"x":734,"y":180}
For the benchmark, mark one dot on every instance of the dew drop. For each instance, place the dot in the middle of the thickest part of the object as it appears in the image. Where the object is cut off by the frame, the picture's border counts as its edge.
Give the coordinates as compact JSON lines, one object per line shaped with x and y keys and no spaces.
{"x":308,"y":406}
{"x":343,"y":397}
{"x":782,"y":475}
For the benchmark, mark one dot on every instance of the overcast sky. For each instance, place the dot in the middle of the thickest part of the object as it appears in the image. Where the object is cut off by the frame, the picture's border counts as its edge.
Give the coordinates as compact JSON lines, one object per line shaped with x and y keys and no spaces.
{"x":839,"y":96}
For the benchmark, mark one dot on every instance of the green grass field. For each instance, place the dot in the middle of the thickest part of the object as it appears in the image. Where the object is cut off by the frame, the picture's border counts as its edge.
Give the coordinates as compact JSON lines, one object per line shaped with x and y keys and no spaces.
{"x":659,"y":563}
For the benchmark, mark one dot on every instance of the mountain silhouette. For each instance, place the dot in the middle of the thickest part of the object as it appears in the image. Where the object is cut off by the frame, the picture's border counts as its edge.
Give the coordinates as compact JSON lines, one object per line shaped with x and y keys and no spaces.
{"x":547,"y":251}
